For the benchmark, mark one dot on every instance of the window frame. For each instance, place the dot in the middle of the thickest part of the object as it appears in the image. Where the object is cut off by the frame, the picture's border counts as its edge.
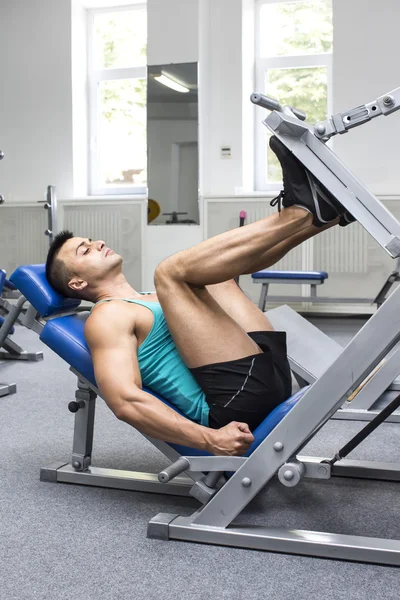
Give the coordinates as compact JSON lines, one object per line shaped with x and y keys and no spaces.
{"x":95,"y":77}
{"x":262,"y":65}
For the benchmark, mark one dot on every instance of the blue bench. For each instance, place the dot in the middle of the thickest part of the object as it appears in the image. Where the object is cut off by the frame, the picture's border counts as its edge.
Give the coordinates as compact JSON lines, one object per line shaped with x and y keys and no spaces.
{"x":7,"y":289}
{"x":64,"y":334}
{"x":267,"y":276}
{"x":3,"y":284}
{"x":5,"y":388}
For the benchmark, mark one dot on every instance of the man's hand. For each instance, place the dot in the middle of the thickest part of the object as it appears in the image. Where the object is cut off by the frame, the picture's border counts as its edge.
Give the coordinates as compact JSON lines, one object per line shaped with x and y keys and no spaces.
{"x":232,"y":440}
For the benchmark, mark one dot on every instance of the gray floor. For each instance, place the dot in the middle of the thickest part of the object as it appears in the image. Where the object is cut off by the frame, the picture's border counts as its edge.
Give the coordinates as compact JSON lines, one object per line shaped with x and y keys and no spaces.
{"x":69,"y":542}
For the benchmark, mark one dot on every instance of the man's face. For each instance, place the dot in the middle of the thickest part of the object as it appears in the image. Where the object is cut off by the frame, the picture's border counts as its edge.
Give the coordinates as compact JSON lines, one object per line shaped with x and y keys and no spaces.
{"x":90,"y":261}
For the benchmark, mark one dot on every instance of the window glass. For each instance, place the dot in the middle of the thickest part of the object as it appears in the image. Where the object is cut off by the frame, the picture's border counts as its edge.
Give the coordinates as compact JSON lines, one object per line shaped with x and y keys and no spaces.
{"x":120,"y":39}
{"x":293,"y":28}
{"x":122,"y":153}
{"x":303,"y":88}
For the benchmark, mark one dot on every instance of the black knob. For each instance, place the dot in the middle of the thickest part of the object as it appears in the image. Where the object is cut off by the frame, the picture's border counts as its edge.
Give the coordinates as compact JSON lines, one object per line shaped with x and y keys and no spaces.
{"x":74,"y":406}
{"x":1,"y":199}
{"x":1,"y":154}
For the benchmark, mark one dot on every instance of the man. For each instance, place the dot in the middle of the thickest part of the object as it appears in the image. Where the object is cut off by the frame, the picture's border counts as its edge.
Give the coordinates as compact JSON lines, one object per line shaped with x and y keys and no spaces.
{"x":198,"y":341}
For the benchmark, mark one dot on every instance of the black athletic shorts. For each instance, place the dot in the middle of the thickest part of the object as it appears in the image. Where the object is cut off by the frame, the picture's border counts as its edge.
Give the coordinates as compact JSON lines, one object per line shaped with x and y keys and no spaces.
{"x":247,"y":389}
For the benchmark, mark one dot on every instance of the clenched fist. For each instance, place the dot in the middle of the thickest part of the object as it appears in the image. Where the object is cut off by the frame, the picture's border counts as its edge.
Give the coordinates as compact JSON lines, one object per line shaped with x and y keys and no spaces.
{"x":232,"y":440}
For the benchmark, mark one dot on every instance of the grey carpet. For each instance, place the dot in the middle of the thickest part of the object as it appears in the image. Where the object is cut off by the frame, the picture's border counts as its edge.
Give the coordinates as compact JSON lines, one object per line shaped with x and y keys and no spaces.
{"x":69,"y":542}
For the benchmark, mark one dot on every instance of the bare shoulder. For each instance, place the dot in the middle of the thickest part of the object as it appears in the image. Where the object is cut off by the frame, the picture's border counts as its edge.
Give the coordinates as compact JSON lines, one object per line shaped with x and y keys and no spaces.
{"x":108,"y":320}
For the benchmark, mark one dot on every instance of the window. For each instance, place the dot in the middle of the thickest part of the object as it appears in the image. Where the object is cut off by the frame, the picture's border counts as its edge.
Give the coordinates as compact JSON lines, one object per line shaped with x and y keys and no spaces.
{"x":117,"y":50}
{"x":293,"y":65}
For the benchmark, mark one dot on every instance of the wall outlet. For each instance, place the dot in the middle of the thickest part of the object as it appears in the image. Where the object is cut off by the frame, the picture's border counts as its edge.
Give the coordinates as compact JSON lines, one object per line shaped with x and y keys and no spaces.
{"x":226,"y":152}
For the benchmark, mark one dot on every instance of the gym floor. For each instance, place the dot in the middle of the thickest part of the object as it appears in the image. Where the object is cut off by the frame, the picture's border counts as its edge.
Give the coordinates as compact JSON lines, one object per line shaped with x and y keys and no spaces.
{"x":66,"y":542}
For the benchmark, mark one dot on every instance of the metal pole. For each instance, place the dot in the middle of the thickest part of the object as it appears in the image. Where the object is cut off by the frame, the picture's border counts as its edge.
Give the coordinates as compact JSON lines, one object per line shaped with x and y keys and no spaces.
{"x":51,"y":207}
{"x":1,"y":158}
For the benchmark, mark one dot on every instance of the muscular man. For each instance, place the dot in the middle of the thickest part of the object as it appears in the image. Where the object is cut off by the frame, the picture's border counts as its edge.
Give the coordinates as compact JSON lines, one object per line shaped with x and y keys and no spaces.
{"x":198,"y":341}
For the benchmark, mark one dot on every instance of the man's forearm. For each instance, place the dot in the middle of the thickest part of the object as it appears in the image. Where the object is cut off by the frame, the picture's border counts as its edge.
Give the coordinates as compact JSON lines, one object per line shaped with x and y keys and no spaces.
{"x":152,"y":417}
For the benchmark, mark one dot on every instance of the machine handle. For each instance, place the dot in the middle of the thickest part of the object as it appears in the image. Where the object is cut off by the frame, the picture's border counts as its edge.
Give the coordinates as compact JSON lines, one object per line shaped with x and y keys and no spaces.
{"x":178,"y":467}
{"x":265,"y":102}
{"x":272,"y":104}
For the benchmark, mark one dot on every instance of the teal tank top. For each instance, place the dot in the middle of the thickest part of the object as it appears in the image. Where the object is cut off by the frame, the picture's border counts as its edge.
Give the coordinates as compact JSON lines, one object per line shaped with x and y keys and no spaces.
{"x":164,"y":372}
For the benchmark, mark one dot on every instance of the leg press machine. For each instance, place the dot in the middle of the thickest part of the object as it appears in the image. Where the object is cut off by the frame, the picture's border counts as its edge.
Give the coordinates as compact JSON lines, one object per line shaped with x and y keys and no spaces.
{"x":224,"y":486}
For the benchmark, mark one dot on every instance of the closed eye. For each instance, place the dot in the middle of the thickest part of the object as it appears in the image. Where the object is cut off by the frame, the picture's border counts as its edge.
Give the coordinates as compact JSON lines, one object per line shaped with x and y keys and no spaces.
{"x":87,"y":251}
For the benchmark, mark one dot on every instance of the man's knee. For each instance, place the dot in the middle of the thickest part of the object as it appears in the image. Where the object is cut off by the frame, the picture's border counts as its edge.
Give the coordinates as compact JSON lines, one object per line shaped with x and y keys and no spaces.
{"x":168,"y":271}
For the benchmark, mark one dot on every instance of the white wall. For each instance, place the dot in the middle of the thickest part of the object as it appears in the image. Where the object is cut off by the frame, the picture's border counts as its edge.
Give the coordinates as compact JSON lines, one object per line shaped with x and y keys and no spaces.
{"x":365,"y":66}
{"x":35,"y":98}
{"x":220,"y":95}
{"x":173,"y":34}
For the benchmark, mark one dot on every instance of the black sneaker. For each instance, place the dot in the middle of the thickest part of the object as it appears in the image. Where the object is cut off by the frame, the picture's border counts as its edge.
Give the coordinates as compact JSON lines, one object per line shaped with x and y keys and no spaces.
{"x":300,"y":188}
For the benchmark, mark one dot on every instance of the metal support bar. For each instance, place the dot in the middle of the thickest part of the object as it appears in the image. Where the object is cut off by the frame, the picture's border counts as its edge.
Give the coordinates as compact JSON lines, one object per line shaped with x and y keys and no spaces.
{"x":7,"y":388}
{"x":378,"y":382}
{"x":9,"y":322}
{"x":342,"y":122}
{"x":84,"y":427}
{"x":115,"y":479}
{"x":15,"y":352}
{"x":290,"y":541}
{"x":51,"y":207}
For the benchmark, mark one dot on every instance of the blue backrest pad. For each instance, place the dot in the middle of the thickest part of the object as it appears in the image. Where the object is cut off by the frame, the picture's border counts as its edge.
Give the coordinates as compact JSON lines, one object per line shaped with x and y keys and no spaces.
{"x":32,"y":283}
{"x":65,"y":335}
{"x":2,"y":279}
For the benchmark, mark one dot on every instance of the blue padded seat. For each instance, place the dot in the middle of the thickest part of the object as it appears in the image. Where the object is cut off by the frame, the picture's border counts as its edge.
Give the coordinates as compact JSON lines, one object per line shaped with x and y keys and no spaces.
{"x":314,"y":275}
{"x":2,"y":279}
{"x":1,"y":323}
{"x":32,"y":283}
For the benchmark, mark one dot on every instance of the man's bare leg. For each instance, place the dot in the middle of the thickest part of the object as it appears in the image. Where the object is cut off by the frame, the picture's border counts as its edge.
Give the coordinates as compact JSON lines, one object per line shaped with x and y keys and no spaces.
{"x":236,"y":304}
{"x":203,"y":332}
{"x":275,"y":254}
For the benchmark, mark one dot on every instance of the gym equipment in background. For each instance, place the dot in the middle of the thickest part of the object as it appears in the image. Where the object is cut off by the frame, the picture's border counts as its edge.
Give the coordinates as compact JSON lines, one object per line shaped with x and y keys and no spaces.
{"x":50,"y":204}
{"x":5,"y":388}
{"x":153,"y":210}
{"x":314,"y":278}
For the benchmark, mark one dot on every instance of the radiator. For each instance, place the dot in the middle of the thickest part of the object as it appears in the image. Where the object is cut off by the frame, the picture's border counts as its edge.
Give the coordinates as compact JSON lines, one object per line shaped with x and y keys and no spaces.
{"x":22,"y":239}
{"x":118,"y":222}
{"x":342,"y":250}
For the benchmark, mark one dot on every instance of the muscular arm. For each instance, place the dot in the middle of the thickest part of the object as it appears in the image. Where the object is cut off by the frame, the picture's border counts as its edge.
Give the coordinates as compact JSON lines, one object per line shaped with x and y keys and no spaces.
{"x":113,"y":346}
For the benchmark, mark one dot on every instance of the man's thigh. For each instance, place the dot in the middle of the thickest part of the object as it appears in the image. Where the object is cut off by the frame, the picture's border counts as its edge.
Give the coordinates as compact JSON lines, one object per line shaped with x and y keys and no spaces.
{"x":203,"y":332}
{"x":238,"y":306}
{"x":247,"y":389}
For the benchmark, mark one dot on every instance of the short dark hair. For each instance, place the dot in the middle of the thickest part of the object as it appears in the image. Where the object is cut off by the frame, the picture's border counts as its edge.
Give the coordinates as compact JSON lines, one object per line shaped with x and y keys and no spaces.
{"x":57,"y":272}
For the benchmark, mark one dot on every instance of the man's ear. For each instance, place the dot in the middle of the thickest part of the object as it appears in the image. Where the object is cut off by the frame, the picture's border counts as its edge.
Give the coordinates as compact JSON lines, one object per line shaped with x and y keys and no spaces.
{"x":77,"y":284}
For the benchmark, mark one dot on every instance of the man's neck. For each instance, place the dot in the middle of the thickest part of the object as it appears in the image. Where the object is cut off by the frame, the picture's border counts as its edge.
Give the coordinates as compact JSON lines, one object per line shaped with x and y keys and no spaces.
{"x":117,"y":288}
